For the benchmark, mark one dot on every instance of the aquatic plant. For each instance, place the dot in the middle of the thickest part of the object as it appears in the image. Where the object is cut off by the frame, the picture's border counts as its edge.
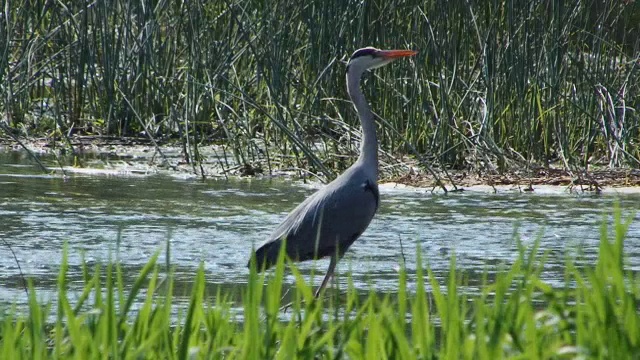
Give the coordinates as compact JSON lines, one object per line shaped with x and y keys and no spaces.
{"x":515,"y":315}
{"x":495,"y":84}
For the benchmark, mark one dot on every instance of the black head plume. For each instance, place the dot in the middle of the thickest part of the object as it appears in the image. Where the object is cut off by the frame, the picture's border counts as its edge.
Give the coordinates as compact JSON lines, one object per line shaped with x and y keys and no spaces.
{"x":368,"y":51}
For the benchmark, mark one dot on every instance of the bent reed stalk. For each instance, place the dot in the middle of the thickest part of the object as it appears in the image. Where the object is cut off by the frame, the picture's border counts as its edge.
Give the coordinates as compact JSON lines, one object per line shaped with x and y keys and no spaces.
{"x":495,"y":84}
{"x":514,"y":314}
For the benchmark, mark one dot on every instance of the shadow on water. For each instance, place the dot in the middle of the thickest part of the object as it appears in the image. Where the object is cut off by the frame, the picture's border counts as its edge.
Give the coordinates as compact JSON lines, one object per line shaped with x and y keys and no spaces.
{"x":217,"y":223}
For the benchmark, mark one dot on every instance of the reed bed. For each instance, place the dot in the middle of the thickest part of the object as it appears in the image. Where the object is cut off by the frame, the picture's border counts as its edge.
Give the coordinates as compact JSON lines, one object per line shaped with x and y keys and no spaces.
{"x":515,"y":314}
{"x":496,"y":84}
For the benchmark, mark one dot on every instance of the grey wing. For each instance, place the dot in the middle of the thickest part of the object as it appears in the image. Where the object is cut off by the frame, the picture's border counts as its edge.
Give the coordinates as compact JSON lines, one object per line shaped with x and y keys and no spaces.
{"x":328,"y":221}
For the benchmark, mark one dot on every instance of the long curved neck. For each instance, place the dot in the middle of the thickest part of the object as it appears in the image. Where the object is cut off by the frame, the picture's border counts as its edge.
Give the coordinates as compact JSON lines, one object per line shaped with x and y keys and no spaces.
{"x":369,"y":145}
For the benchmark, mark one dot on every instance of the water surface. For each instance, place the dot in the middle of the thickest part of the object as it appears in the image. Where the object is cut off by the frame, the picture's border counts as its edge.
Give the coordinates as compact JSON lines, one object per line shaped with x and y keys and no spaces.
{"x":216,"y":222}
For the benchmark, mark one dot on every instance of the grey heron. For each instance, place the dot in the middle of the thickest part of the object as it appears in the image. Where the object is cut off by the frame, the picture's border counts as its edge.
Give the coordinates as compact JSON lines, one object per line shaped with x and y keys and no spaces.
{"x":330,"y":220}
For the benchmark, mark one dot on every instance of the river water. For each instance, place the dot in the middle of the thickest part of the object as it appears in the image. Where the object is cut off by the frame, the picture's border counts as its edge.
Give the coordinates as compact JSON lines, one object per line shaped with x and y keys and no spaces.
{"x":216,"y":222}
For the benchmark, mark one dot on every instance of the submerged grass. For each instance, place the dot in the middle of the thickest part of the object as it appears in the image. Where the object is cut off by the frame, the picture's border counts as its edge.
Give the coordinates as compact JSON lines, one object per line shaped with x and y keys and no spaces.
{"x":516,"y":314}
{"x":495,"y":83}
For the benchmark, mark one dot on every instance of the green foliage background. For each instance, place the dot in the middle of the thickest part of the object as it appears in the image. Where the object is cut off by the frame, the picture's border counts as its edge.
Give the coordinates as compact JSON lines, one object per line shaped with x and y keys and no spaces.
{"x":495,"y":83}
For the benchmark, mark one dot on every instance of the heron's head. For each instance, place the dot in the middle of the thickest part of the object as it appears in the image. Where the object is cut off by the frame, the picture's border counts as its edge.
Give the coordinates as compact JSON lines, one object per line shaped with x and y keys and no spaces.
{"x":371,"y":58}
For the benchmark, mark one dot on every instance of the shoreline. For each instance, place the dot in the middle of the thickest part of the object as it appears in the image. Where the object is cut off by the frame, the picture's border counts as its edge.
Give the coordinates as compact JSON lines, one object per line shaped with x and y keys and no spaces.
{"x":139,"y":157}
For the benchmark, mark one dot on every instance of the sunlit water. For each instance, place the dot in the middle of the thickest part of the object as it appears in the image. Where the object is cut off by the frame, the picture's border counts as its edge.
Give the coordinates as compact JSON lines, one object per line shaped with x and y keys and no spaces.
{"x":217,"y":222}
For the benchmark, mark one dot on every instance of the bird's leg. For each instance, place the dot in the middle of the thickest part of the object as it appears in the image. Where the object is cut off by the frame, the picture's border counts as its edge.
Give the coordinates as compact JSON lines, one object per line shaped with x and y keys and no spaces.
{"x":330,"y":270}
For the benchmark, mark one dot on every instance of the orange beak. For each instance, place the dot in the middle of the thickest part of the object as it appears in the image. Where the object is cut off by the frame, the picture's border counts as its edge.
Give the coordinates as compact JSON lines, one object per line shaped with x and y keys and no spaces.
{"x":394,"y":54}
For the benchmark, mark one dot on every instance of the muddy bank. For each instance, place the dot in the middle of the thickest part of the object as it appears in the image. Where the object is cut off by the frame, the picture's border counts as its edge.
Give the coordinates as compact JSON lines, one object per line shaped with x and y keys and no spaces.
{"x":139,"y":157}
{"x":616,"y":180}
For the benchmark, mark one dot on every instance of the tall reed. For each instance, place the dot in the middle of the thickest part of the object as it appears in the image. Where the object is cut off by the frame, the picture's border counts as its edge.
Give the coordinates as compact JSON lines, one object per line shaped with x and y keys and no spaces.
{"x":495,"y":83}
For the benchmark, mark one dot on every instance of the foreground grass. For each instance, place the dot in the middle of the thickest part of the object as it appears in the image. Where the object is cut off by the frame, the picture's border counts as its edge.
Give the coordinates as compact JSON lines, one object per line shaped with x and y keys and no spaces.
{"x":515,"y":315}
